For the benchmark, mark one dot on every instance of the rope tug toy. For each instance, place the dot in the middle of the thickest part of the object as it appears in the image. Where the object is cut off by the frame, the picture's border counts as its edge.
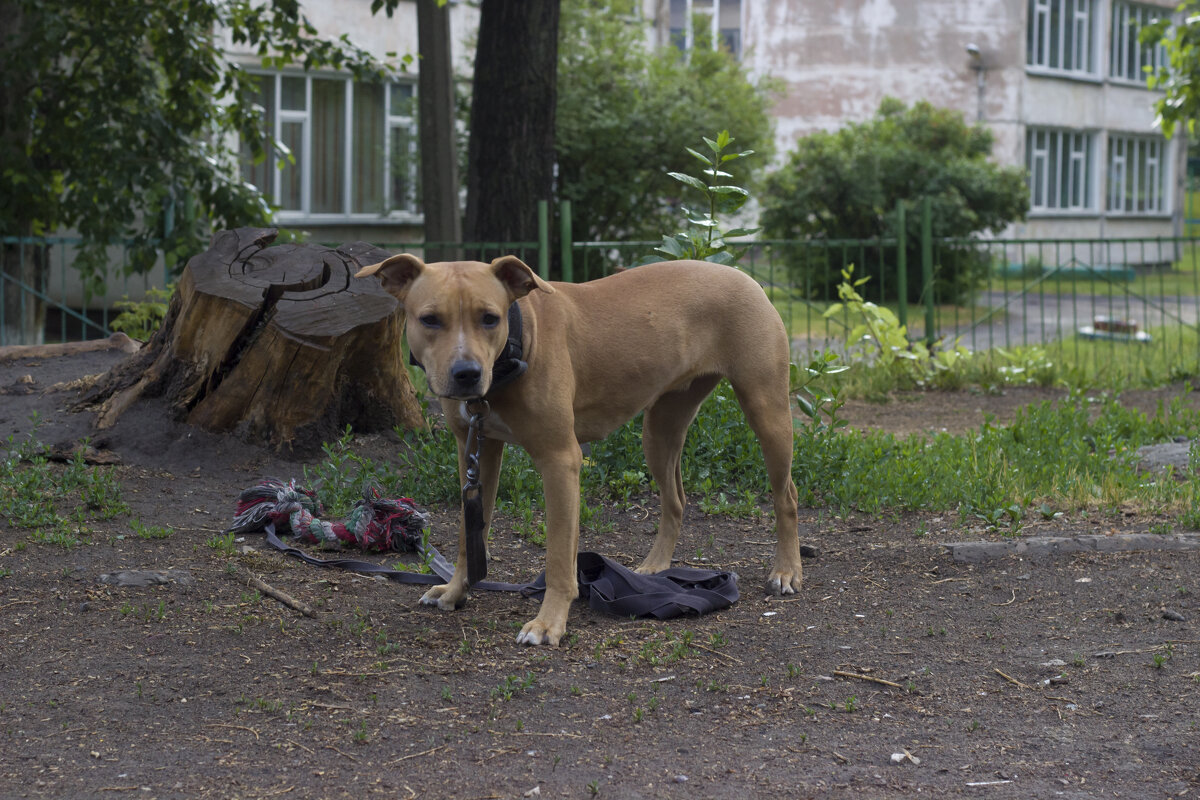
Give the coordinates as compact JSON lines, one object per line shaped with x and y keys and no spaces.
{"x":375,"y":523}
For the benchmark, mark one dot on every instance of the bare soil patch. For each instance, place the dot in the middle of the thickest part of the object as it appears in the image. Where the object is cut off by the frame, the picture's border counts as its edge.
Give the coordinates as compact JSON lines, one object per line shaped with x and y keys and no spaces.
{"x":896,"y":670}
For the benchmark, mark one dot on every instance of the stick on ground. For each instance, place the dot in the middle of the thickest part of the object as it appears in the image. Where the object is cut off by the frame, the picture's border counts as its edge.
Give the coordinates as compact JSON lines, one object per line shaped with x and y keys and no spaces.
{"x":1011,"y":679}
{"x":282,"y":597}
{"x":856,"y":676}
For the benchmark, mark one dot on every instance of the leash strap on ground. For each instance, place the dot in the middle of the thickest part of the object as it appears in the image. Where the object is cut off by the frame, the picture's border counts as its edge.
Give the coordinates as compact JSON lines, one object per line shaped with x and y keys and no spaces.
{"x":443,"y":570}
{"x":606,"y":585}
{"x":380,"y":523}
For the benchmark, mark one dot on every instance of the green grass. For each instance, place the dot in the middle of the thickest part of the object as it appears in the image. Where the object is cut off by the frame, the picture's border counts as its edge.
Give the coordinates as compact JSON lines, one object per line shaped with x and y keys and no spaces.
{"x":1181,"y":280}
{"x":1173,"y":354}
{"x":1076,"y":455}
{"x":1091,"y":364}
{"x":56,"y":502}
{"x":1066,"y":457}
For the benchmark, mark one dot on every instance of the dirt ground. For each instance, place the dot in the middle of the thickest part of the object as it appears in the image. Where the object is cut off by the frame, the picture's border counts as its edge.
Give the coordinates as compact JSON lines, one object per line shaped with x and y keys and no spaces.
{"x":896,"y":672}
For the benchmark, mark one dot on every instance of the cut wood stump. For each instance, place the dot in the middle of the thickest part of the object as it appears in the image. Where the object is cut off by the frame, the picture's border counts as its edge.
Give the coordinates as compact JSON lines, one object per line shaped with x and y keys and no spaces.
{"x":281,"y":345}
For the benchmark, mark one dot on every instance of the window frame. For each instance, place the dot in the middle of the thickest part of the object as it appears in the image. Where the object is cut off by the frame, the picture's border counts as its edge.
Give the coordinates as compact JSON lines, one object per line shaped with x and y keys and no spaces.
{"x":1062,"y":141}
{"x":408,"y":212}
{"x":1039,"y":21}
{"x":715,"y":33}
{"x":1126,"y":178}
{"x":1153,"y":56}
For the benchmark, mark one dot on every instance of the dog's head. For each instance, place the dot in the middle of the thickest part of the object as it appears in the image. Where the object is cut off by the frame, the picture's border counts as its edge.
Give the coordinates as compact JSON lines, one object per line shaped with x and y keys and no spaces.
{"x":457,"y":315}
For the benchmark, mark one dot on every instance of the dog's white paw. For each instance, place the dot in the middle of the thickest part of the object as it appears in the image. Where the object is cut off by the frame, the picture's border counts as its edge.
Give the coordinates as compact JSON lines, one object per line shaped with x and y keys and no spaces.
{"x":649,"y":567}
{"x":782,"y":582}
{"x":444,"y":597}
{"x":537,"y":633}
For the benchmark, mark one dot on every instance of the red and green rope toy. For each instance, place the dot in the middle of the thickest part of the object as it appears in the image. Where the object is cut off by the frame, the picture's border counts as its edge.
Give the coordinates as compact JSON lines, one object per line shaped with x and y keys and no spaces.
{"x":375,"y":523}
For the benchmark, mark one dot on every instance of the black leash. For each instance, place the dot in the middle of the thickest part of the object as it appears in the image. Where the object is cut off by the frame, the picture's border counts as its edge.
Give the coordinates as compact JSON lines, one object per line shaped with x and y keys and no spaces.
{"x":443,"y":570}
{"x":608,"y":586}
{"x":472,"y":495}
{"x":508,"y":367}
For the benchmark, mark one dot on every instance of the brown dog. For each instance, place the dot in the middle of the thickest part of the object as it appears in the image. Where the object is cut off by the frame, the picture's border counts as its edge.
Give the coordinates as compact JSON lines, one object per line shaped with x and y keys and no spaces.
{"x":655,"y":339}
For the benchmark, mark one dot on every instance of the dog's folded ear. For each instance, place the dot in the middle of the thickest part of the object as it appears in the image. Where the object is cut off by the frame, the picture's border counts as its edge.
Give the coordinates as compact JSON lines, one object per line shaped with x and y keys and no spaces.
{"x":396,"y":274}
{"x":518,"y":277}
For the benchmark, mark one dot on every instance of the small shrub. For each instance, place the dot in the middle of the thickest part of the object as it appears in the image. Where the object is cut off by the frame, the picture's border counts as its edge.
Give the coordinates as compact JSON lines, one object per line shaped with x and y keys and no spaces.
{"x":139,"y":320}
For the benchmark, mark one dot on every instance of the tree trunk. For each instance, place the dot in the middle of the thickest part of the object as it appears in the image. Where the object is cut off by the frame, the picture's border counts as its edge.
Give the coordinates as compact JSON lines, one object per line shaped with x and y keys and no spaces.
{"x":439,"y":160}
{"x":281,"y":345}
{"x":24,"y":313}
{"x":511,"y":151}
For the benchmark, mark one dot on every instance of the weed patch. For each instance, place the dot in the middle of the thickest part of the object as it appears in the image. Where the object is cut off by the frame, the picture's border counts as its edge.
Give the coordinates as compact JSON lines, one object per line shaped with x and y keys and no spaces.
{"x":55,"y":502}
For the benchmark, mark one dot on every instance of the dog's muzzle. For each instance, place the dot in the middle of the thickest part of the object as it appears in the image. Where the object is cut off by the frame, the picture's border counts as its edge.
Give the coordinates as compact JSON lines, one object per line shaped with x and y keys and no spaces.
{"x":465,"y":380}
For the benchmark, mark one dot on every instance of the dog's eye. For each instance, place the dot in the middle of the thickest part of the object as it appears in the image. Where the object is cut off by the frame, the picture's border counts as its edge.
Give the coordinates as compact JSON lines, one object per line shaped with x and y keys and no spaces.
{"x":430,"y":320}
{"x":490,"y":320}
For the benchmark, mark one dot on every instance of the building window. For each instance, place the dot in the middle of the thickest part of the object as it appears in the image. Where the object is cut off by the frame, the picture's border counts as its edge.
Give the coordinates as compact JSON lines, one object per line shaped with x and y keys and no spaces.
{"x":1129,"y":57}
{"x":1060,"y":170}
{"x":1137,"y":175}
{"x":1060,"y":36}
{"x":353,"y":144}
{"x":706,"y":23}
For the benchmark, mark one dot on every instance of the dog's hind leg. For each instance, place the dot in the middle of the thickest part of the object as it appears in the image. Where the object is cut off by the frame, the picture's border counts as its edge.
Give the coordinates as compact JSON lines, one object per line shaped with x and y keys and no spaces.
{"x":664,"y":429}
{"x":767,"y":406}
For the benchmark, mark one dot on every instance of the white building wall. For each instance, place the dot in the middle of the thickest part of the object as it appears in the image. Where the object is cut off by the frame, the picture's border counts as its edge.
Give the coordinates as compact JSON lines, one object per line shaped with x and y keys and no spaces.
{"x":838,"y":59}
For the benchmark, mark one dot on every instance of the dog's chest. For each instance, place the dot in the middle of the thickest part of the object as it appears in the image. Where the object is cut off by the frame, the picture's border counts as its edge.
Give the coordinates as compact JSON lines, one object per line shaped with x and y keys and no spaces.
{"x":493,"y":424}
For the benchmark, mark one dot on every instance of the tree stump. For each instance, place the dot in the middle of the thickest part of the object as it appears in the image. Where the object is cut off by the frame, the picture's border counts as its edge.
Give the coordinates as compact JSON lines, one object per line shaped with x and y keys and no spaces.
{"x":281,"y":345}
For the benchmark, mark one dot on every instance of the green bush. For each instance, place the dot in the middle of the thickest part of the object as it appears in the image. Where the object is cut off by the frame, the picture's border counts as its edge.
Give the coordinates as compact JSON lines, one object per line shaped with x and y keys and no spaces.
{"x":627,"y":112}
{"x":847,"y":185}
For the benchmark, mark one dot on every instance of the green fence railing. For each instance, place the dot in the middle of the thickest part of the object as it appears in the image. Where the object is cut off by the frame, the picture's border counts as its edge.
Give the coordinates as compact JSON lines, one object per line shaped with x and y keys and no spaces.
{"x":73,"y":313}
{"x":1116,"y":304}
{"x":1112,"y":305}
{"x":70,"y":309}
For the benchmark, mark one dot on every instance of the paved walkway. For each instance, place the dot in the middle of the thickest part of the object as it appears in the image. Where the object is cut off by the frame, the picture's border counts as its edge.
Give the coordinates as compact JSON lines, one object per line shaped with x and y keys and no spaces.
{"x":1035,"y":318}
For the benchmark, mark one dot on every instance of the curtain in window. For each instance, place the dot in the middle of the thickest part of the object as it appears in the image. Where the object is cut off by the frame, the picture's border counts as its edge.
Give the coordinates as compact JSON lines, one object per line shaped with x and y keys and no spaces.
{"x":367,"y":167}
{"x":328,"y":146}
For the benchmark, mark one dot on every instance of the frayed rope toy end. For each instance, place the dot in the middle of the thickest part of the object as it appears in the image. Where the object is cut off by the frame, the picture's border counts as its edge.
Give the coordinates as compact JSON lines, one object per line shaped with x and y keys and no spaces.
{"x":375,"y":523}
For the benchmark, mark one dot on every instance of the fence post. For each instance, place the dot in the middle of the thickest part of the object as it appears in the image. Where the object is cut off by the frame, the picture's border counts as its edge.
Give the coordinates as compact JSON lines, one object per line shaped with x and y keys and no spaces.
{"x":543,"y":212}
{"x":927,"y":268}
{"x":901,"y":264}
{"x":564,"y":218}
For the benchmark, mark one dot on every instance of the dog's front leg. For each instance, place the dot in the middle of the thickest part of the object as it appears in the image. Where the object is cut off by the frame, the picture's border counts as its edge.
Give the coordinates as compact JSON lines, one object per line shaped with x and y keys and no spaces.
{"x":560,"y":481}
{"x":452,"y":595}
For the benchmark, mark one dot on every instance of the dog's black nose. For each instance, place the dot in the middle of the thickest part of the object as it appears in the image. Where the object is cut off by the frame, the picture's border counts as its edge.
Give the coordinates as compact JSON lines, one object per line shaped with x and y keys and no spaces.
{"x":465,"y":374}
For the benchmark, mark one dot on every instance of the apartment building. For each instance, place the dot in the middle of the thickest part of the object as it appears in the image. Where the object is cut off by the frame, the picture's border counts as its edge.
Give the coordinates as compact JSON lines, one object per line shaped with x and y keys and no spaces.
{"x":1060,"y":82}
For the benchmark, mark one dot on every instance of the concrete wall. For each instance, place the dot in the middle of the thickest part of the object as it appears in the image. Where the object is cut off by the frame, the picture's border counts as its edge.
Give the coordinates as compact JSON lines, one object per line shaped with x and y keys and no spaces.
{"x":380,"y":35}
{"x":837,"y":59}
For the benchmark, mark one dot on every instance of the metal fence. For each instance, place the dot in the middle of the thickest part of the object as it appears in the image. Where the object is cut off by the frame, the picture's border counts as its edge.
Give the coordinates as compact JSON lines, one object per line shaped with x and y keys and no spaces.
{"x":1105,"y":307}
{"x":75,"y":311}
{"x":1112,"y":305}
{"x":72,"y":312}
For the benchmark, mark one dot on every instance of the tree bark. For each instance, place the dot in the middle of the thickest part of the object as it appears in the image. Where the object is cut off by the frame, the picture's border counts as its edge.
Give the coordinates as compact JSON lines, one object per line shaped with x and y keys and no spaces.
{"x":439,"y":160}
{"x":281,"y":345}
{"x":24,"y":313}
{"x":511,"y":150}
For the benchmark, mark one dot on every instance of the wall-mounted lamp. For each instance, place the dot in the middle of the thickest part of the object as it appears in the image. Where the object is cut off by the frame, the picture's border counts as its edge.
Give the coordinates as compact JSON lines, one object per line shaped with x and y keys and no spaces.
{"x":976,"y":56}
